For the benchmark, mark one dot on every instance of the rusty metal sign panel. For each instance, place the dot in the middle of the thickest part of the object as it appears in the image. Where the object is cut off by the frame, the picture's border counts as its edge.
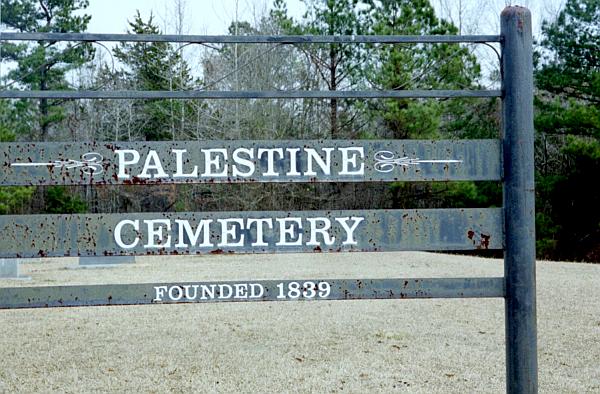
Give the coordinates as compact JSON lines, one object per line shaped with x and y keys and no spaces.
{"x":249,"y":291}
{"x":250,"y":232}
{"x":248,"y":161}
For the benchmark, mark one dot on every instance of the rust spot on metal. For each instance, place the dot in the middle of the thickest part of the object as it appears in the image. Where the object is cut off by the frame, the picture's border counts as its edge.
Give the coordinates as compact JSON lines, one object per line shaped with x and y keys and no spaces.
{"x":135,"y":181}
{"x":520,"y":23}
{"x":470,"y":234}
{"x":485,"y":241}
{"x":217,"y":251}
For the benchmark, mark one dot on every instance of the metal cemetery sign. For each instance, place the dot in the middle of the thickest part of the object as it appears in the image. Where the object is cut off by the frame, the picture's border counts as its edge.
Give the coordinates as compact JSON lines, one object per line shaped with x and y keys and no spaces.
{"x":250,"y":232}
{"x":265,"y":290}
{"x":248,"y":161}
{"x":509,"y":159}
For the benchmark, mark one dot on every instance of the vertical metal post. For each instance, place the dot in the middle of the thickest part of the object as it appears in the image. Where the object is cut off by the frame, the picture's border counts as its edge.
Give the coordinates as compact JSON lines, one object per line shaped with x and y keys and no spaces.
{"x":519,"y":201}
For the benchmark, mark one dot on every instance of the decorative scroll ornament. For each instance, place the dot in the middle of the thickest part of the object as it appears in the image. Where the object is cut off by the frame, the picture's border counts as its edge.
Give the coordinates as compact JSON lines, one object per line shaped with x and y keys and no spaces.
{"x":90,"y":163}
{"x":385,"y":161}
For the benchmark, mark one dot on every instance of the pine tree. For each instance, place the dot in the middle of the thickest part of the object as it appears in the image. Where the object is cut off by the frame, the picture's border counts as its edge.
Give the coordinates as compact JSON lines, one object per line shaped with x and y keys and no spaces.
{"x":412,"y":67}
{"x":335,"y":64}
{"x":568,"y":133}
{"x":44,"y":65}
{"x":12,"y":199}
{"x":153,"y":66}
{"x":404,"y":67}
{"x":41,"y":66}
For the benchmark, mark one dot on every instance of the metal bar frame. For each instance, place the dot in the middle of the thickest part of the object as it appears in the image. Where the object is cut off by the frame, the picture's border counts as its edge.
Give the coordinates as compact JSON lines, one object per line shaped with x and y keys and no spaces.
{"x":175,"y":293}
{"x":249,"y":94}
{"x":251,"y":39}
{"x":518,"y":284}
{"x":106,"y":234}
{"x":98,"y":162}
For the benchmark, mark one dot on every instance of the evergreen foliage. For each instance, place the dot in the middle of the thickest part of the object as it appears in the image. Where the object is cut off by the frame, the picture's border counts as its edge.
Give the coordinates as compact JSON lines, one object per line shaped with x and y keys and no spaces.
{"x":12,"y":199}
{"x":43,"y":65}
{"x":153,"y":66}
{"x":568,"y":134}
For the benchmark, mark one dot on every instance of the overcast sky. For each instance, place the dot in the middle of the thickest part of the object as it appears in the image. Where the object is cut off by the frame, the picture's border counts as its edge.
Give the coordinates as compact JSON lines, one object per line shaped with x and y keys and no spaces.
{"x":213,"y":16}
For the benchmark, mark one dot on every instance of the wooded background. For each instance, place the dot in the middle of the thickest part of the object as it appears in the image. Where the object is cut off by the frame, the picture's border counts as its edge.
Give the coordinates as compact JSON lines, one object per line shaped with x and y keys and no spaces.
{"x":567,"y":104}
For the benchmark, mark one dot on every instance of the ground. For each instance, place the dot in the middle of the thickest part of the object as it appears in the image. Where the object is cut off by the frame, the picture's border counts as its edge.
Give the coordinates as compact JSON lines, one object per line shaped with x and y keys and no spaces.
{"x":326,"y":346}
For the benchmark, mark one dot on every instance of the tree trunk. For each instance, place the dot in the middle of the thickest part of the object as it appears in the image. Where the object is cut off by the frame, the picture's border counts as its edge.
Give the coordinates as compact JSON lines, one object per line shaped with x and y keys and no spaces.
{"x":43,"y":121}
{"x":333,"y":103}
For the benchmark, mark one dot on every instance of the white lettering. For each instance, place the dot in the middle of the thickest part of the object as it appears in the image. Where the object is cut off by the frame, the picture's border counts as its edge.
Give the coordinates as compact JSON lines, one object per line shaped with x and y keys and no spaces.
{"x":222,"y":294}
{"x":324,"y":231}
{"x":241,"y":290}
{"x":153,"y":163}
{"x":119,"y":228}
{"x":172,"y":294}
{"x":249,"y":164}
{"x":185,"y":231}
{"x":187,"y":291}
{"x":227,"y":232}
{"x":156,"y":233}
{"x":314,"y":157}
{"x":349,"y":229}
{"x":270,"y":160}
{"x":259,"y":230}
{"x":208,"y":292}
{"x":213,"y":164}
{"x":256,"y":290}
{"x":291,"y":231}
{"x":293,"y":162}
{"x":350,"y":159}
{"x":179,"y":165}
{"x":160,"y":292}
{"x":242,"y":162}
{"x":135,"y":157}
{"x":256,"y":232}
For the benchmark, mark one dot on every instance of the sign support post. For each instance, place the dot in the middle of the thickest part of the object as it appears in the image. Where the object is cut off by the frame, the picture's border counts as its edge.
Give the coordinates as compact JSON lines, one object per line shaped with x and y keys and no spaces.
{"x":519,"y":201}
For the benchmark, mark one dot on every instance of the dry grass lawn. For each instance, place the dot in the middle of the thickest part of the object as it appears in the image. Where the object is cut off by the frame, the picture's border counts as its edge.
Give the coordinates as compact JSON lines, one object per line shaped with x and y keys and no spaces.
{"x":326,"y":346}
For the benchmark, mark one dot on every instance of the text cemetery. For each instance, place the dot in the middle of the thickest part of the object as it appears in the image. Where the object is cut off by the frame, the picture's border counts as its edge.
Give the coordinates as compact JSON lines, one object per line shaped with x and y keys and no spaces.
{"x":236,"y":232}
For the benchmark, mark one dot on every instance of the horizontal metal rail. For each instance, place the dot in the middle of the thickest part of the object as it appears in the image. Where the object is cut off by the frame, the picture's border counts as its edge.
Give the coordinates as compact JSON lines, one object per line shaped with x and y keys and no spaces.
{"x":178,"y":233}
{"x":249,"y":94}
{"x":126,"y":163}
{"x":250,"y":39}
{"x":249,"y":291}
